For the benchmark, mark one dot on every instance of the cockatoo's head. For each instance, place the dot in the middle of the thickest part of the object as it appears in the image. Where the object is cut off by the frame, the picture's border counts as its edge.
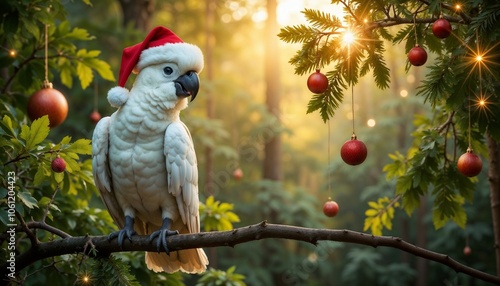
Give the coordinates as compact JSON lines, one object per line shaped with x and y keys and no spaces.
{"x":165,"y":65}
{"x":168,"y":83}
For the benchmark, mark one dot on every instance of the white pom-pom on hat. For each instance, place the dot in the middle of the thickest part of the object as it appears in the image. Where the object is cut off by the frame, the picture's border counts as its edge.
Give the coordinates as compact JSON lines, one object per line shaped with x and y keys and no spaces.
{"x":117,"y":96}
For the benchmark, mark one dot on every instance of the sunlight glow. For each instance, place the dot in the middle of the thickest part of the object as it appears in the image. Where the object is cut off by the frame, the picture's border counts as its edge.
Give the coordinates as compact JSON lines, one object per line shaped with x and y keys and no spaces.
{"x":12,"y":53}
{"x":403,"y":93}
{"x":348,"y":37}
{"x":458,"y":7}
{"x":479,"y":58}
{"x":259,"y":16}
{"x":289,"y":12}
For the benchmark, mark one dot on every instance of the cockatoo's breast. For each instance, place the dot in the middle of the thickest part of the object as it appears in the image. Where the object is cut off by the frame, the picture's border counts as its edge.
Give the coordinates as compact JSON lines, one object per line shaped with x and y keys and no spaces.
{"x":137,"y":161}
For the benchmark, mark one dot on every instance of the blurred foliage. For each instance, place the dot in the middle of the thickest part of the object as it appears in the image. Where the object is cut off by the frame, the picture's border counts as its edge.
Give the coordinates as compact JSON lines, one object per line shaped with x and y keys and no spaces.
{"x":215,"y":215}
{"x":215,"y":277}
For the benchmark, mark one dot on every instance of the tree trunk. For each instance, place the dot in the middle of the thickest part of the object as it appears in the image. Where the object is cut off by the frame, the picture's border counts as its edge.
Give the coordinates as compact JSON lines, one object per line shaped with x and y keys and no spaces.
{"x":208,"y":69}
{"x":422,"y":264}
{"x":272,"y":148}
{"x":272,"y":144}
{"x":138,"y":12}
{"x":494,"y":178}
{"x":209,"y":47}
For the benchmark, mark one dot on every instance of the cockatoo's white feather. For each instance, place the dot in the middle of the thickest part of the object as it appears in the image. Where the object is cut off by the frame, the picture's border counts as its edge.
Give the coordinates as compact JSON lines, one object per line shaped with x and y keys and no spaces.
{"x":145,"y":167}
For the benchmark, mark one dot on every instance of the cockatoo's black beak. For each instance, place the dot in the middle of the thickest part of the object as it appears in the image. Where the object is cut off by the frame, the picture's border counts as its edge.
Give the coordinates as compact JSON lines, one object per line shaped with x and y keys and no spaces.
{"x":187,"y":84}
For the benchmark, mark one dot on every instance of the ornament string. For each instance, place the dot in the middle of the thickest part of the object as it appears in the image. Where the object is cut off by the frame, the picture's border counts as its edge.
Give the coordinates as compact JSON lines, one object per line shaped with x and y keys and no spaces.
{"x":468,"y":135}
{"x":46,"y":82}
{"x":352,"y":109}
{"x":415,"y":28}
{"x":329,"y":169}
{"x":96,"y":96}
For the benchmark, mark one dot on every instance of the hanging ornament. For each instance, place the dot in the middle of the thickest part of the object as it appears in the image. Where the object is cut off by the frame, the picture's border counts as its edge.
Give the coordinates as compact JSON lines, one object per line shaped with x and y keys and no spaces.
{"x":58,"y":165}
{"x":95,"y":116}
{"x":330,"y":208}
{"x":353,"y":151}
{"x":317,"y":82}
{"x":469,"y":164}
{"x":48,"y":101}
{"x":238,"y":174}
{"x":441,"y":28}
{"x":417,"y":55}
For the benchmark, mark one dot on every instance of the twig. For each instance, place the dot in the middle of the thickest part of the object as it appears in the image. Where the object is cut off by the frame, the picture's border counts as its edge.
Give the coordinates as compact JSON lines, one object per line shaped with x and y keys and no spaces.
{"x":24,"y":226}
{"x":49,"y":228}
{"x":46,"y":212}
{"x":448,"y":121}
{"x":74,"y":245}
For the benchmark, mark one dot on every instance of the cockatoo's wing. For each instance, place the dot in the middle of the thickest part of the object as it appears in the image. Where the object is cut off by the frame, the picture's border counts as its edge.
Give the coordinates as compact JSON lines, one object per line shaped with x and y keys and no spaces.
{"x":100,"y":169}
{"x":182,"y":172}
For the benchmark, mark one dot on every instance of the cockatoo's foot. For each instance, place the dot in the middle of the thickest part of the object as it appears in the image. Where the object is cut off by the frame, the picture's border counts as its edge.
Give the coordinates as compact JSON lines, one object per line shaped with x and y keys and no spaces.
{"x":162,"y":235}
{"x":128,"y":230}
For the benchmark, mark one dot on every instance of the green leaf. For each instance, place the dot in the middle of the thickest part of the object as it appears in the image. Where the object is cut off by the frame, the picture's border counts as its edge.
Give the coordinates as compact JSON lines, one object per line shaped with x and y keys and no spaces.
{"x":27,"y":199}
{"x":103,"y":68}
{"x":58,"y":177}
{"x":84,"y":74}
{"x":7,"y":126}
{"x":37,"y":133}
{"x":80,"y":146}
{"x":42,"y":173}
{"x":66,"y":77}
{"x":78,"y":34}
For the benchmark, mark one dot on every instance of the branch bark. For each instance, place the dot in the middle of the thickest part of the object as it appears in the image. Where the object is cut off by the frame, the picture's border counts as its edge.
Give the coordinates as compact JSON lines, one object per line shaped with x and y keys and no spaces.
{"x":494,"y":178}
{"x":263,"y":230}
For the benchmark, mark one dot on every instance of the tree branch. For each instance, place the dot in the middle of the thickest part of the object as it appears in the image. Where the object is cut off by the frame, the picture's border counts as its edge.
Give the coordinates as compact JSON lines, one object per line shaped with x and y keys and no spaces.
{"x":73,"y":245}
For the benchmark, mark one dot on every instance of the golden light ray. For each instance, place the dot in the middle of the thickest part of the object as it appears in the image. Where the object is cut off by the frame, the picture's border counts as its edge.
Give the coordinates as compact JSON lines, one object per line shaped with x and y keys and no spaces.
{"x":481,"y":103}
{"x":480,"y":58}
{"x":348,"y":37}
{"x":84,"y":279}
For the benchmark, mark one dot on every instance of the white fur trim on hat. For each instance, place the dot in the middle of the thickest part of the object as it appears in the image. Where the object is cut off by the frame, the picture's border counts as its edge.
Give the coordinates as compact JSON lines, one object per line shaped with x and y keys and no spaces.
{"x":186,"y":56}
{"x":117,"y":96}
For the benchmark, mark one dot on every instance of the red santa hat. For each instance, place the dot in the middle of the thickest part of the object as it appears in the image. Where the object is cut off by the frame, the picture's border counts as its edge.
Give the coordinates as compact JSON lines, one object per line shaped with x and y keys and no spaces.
{"x":160,"y":45}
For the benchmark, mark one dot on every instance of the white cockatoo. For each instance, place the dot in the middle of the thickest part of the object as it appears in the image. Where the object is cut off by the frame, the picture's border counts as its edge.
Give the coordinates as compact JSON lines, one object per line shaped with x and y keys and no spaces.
{"x":144,"y":162}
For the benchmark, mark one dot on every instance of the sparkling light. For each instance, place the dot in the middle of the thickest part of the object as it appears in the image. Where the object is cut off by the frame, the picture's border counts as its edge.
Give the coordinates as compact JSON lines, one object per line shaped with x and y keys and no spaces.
{"x":84,"y":278}
{"x":12,"y":53}
{"x":479,"y":58}
{"x":403,"y":93}
{"x":482,"y":104}
{"x":458,"y":7}
{"x":371,"y":122}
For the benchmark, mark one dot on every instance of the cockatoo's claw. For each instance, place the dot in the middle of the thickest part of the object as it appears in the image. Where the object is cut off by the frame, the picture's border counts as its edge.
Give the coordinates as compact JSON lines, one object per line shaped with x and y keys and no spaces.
{"x":162,"y":235}
{"x":127,"y":231}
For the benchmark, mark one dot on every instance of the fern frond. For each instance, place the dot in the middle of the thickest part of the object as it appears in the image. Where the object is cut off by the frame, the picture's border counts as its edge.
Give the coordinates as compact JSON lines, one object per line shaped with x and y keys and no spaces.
{"x":322,"y":20}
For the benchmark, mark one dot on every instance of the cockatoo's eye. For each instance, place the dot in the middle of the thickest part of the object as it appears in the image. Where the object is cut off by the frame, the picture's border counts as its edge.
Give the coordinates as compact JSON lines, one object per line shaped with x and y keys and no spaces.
{"x":168,"y":70}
